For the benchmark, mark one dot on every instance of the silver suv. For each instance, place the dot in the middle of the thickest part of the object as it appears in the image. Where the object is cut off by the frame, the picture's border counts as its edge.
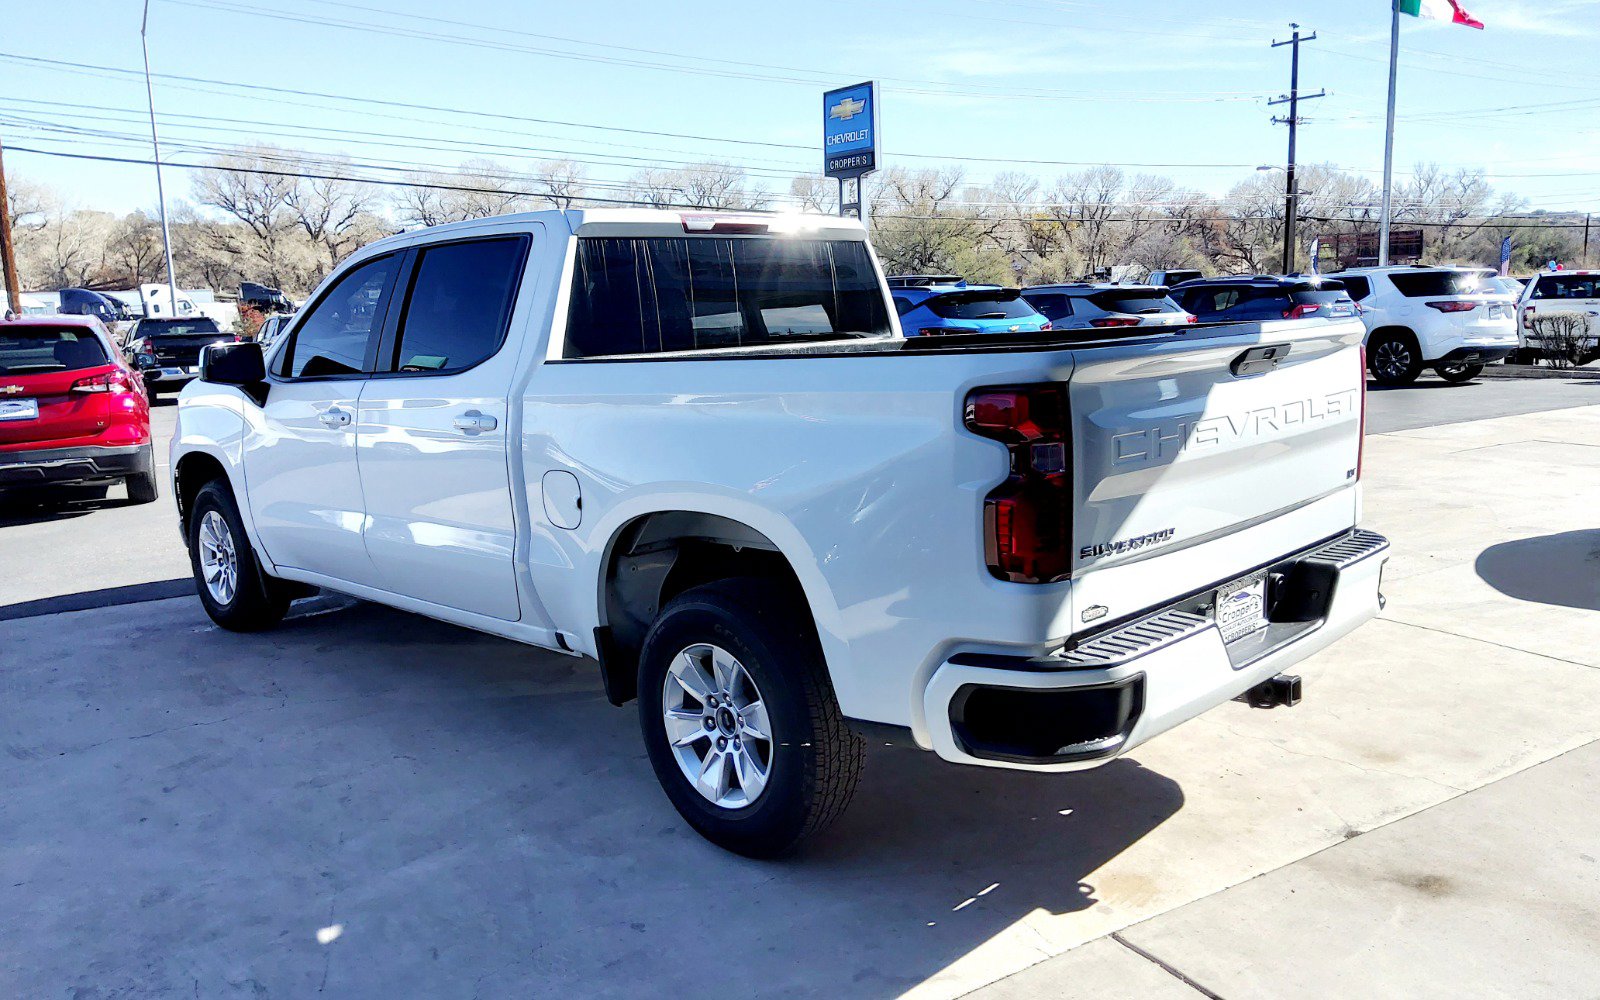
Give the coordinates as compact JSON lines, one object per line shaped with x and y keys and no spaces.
{"x":1083,"y":306}
{"x":1454,"y":320}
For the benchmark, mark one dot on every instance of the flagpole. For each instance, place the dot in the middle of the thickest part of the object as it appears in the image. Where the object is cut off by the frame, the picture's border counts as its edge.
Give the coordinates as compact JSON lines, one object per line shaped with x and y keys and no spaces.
{"x":1388,"y":134}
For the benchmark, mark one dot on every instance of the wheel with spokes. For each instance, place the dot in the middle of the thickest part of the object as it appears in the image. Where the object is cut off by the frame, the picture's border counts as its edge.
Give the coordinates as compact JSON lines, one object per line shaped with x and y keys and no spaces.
{"x":234,"y":591}
{"x":1459,"y":373}
{"x":1393,"y":358}
{"x":740,"y":720}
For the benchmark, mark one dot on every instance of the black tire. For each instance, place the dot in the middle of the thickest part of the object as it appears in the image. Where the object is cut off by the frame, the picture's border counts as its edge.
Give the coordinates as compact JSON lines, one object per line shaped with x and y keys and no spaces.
{"x":145,"y":487}
{"x":258,"y":601}
{"x":815,"y":759}
{"x":1393,"y":358}
{"x":1459,"y":373}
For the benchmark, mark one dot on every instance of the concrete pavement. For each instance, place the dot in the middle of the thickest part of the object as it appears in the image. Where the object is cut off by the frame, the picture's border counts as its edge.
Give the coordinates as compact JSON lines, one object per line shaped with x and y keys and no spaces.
{"x":367,"y":803}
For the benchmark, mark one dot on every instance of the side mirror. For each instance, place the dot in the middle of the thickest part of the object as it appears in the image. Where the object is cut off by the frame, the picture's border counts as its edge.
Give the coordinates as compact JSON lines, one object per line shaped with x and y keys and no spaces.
{"x":233,"y":364}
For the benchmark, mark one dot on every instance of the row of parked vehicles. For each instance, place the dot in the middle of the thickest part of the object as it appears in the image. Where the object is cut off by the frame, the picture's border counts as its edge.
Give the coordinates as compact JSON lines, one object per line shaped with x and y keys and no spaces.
{"x":1453,"y":320}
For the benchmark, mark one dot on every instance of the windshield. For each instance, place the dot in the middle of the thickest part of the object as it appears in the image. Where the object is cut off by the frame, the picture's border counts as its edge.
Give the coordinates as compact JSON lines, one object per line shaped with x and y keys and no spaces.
{"x":993,"y":304}
{"x":33,"y":350}
{"x":647,"y":295}
{"x":1416,"y":284}
{"x":178,"y":328}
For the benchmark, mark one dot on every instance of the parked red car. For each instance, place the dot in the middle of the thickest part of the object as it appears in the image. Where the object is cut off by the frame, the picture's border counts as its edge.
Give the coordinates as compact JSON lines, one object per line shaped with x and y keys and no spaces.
{"x":72,"y":410}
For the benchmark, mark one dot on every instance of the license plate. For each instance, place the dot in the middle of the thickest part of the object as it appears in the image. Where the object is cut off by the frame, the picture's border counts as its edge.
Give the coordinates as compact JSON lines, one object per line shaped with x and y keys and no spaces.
{"x":1496,"y":312}
{"x":1242,"y":606}
{"x":19,"y":409}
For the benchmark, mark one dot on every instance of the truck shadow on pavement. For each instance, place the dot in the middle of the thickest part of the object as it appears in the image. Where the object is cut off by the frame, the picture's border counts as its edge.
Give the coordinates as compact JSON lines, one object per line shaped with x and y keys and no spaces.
{"x":1561,"y":569}
{"x":467,"y":815}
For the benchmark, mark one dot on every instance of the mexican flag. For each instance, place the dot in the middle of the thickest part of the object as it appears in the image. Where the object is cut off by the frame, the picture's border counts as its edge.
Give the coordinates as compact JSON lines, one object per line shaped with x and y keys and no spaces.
{"x":1438,"y":10}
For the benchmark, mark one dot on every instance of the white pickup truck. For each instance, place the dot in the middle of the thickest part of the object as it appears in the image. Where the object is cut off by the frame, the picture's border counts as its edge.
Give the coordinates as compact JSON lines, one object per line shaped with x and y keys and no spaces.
{"x":697,"y":450}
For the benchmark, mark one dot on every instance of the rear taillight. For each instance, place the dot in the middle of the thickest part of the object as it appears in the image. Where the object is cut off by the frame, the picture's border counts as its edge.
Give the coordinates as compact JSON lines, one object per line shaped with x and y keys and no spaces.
{"x":109,"y":382}
{"x":1114,"y":321}
{"x":1303,"y":310}
{"x":1027,"y":519}
{"x":1191,"y":318}
{"x":1453,"y":307}
{"x":1361,"y":443}
{"x":1046,"y":326}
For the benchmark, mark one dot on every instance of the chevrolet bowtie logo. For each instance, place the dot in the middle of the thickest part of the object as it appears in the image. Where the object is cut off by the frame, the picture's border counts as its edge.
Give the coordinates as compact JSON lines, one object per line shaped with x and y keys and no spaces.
{"x":847,"y":108}
{"x":10,"y":390}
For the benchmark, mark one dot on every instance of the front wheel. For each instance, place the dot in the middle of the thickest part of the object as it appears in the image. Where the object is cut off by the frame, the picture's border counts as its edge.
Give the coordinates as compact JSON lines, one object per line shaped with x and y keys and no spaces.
{"x":1393,"y":359}
{"x":1459,"y":373}
{"x":234,"y":591}
{"x":740,"y":720}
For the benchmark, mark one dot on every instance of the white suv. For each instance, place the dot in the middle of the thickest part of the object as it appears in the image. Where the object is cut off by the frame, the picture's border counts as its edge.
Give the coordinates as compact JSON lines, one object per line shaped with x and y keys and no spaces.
{"x":1559,"y":293}
{"x":1450,"y":319}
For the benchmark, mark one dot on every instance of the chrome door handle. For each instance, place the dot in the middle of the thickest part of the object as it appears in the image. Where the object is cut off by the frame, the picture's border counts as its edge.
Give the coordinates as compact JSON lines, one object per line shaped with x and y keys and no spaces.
{"x":473,"y":422}
{"x":334,"y":417}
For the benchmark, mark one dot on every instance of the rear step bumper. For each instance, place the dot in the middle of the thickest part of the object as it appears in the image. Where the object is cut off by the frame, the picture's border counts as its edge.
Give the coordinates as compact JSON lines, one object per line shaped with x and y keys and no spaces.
{"x":1081,"y":707}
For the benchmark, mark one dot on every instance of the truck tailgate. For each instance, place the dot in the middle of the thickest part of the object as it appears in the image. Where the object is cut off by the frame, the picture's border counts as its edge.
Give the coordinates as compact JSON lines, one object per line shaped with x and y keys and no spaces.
{"x":1185,"y":443}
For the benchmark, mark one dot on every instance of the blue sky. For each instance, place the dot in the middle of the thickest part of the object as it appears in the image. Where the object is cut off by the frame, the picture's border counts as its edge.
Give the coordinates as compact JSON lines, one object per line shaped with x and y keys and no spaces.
{"x":1175,"y":83}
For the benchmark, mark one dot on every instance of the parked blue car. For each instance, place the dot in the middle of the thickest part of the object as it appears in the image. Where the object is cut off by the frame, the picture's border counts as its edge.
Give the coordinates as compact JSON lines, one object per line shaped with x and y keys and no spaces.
{"x":943,"y":304}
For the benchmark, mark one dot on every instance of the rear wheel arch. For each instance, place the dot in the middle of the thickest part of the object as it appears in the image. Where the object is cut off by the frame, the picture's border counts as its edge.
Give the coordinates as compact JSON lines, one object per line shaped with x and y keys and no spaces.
{"x":655,"y":557}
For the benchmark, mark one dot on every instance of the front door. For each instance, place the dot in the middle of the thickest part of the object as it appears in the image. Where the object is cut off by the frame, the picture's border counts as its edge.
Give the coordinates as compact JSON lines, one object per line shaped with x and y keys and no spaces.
{"x":434,"y":430}
{"x":300,"y":459}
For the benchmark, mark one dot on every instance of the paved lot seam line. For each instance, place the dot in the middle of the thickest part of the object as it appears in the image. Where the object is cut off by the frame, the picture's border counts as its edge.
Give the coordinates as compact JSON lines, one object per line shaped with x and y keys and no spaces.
{"x":1490,"y":642}
{"x":1165,"y":967}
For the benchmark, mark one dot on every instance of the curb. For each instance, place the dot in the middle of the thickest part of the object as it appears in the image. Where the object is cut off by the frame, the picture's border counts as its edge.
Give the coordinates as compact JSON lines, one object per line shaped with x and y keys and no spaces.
{"x":1540,"y":371}
{"x":111,"y":597}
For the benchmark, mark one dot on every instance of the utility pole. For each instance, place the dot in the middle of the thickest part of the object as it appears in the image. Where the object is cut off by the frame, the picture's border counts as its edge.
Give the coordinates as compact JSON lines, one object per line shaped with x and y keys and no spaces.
{"x":155,"y":145}
{"x":8,"y":253}
{"x":1586,"y":217}
{"x":1291,"y":193}
{"x":1388,"y":136}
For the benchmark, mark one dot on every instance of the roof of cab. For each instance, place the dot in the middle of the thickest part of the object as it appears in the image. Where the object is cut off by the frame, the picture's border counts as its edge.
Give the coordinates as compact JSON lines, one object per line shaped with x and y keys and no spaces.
{"x":650,"y":222}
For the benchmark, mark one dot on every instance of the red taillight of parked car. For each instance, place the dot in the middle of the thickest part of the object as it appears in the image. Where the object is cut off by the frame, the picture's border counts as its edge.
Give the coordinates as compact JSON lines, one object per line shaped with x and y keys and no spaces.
{"x":1303,"y":310}
{"x":1027,"y":519}
{"x":1114,"y":321}
{"x":1453,"y":307}
{"x":109,"y":382}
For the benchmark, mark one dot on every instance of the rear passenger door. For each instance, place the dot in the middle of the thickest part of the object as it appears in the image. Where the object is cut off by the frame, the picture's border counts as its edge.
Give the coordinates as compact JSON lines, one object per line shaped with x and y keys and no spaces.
{"x":433,"y":429}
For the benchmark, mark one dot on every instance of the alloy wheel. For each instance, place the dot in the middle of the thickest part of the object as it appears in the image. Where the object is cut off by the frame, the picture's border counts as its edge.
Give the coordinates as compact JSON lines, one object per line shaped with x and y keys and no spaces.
{"x":717,"y":726}
{"x":1393,"y":359}
{"x":219,"y":560}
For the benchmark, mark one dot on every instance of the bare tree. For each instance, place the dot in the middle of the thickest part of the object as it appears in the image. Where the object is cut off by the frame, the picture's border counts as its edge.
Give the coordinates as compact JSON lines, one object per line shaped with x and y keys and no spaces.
{"x":560,"y":183}
{"x":133,"y":250}
{"x":815,"y":194}
{"x":337,"y":214}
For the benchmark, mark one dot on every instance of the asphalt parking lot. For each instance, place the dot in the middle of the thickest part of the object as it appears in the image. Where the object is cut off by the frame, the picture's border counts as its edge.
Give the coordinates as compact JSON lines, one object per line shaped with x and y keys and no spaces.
{"x":368,"y":803}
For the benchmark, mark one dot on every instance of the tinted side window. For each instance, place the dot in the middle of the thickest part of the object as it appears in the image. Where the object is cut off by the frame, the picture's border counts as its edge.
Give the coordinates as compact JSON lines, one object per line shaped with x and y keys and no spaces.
{"x":336,"y":333}
{"x":459,"y":304}
{"x":1359,"y":288}
{"x":641,"y":296}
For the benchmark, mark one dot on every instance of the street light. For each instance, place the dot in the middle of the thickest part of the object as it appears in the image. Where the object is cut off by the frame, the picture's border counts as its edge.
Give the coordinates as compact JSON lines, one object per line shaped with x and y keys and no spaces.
{"x":155,"y":146}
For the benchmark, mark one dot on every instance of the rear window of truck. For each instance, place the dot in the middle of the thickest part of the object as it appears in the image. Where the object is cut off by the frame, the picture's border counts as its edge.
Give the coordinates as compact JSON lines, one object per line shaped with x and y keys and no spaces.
{"x":1567,"y":286}
{"x":652,"y":295}
{"x":1416,"y":284}
{"x":34,"y":350}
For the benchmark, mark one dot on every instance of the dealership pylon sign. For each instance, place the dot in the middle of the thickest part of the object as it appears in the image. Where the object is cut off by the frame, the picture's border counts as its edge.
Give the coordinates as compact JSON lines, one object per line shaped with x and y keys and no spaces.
{"x":850,"y":140}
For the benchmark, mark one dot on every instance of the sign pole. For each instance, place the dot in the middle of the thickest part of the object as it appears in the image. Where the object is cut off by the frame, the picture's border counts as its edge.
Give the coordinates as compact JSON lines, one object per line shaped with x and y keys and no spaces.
{"x":1388,"y":137}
